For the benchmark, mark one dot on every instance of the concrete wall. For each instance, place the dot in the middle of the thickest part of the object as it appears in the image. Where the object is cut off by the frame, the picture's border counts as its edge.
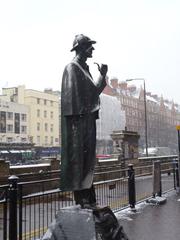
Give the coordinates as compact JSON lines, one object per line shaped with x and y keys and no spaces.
{"x":28,"y":172}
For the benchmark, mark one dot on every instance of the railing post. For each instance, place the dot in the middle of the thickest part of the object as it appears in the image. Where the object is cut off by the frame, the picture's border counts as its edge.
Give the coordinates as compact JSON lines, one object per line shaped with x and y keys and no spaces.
{"x":5,"y":215}
{"x":177,"y":175}
{"x":20,"y":211}
{"x":157,"y":185}
{"x":12,"y":207}
{"x":131,"y":186}
{"x":174,"y":175}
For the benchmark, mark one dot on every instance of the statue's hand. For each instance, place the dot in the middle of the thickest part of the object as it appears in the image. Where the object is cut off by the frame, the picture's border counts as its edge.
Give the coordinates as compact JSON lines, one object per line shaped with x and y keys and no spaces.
{"x":103,"y":69}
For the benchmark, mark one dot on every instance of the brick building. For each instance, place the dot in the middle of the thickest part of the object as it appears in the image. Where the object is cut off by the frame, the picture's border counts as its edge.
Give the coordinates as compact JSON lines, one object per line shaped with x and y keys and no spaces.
{"x":162,"y":114}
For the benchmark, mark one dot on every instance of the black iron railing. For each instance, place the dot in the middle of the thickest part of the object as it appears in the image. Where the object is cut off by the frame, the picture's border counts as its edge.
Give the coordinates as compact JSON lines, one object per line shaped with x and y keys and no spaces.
{"x":27,"y":208}
{"x":4,"y":211}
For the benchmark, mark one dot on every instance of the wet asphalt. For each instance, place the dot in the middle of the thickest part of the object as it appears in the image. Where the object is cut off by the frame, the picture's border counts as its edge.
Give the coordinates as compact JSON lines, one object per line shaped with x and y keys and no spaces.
{"x":153,"y":222}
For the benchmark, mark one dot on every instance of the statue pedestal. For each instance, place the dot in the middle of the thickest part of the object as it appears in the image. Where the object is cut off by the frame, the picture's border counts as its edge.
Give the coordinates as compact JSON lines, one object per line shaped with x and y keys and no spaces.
{"x":72,"y":223}
{"x":75,"y":223}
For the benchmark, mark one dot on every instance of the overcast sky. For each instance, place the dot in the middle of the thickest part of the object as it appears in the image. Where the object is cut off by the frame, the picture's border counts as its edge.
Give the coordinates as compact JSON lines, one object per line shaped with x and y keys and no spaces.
{"x":136,"y":38}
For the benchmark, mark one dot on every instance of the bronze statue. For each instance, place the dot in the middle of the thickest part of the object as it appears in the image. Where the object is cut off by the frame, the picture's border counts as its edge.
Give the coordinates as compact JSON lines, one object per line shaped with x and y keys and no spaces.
{"x":79,"y":111}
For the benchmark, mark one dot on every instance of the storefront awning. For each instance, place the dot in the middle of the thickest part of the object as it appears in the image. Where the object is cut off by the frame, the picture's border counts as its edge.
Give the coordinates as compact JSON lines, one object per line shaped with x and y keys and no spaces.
{"x":14,"y":151}
{"x":4,"y":151}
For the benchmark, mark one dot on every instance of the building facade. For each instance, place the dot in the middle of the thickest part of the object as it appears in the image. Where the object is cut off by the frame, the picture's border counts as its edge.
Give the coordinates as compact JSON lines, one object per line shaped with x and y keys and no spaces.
{"x":14,"y":120}
{"x":162,"y":114}
{"x":43,"y":112}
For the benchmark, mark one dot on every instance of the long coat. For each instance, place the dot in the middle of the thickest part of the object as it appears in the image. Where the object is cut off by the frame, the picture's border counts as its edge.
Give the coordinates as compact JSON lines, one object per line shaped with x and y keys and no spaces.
{"x":79,"y":111}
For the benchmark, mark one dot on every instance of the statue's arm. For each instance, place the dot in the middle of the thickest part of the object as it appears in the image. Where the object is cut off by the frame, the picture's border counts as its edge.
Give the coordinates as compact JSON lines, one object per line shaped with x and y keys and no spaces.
{"x":101,"y":83}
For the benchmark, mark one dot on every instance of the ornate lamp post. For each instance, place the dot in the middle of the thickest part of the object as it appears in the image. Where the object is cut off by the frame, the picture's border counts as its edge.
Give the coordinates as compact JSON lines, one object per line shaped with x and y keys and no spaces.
{"x":145,"y":110}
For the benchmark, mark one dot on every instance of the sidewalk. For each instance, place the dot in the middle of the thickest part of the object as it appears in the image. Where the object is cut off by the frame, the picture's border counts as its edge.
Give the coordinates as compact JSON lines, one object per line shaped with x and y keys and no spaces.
{"x":153,"y":222}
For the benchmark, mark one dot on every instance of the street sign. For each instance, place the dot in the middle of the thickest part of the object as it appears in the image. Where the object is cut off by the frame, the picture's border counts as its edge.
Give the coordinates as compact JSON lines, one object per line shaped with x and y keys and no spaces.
{"x":177,"y":127}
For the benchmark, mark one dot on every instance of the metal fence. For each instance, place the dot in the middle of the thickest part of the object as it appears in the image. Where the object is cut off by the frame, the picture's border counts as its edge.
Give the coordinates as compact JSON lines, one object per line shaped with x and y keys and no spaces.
{"x":27,"y":216}
{"x":4,"y":211}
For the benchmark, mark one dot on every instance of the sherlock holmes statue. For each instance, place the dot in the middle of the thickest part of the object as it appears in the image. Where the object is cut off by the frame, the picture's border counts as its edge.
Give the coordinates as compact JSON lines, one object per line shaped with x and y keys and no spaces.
{"x":79,"y":111}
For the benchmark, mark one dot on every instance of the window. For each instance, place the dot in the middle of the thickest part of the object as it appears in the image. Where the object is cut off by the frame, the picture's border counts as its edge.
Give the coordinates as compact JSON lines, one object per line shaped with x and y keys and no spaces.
{"x":46,"y":140}
{"x":38,"y":112}
{"x":9,"y":139}
{"x":9,"y":128}
{"x":45,"y":114}
{"x":46,"y":127}
{"x":23,"y":117}
{"x":2,"y":122}
{"x":51,"y":129}
{"x":10,"y":115}
{"x":38,"y":126}
{"x":52,"y":140}
{"x":23,"y":140}
{"x":51,"y":114}
{"x":17,"y":122}
{"x":23,"y":129}
{"x":38,"y":140}
{"x":45,"y":102}
{"x":38,"y":100}
{"x":51,"y":103}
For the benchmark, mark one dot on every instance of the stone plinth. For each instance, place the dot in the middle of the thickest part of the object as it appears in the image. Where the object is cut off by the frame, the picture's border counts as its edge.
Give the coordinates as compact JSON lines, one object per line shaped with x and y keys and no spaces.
{"x":75,"y":223}
{"x":125,"y":143}
{"x":72,"y":223}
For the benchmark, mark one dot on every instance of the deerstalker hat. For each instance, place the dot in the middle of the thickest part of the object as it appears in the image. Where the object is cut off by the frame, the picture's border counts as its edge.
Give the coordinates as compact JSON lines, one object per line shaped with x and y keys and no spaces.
{"x":81,"y":40}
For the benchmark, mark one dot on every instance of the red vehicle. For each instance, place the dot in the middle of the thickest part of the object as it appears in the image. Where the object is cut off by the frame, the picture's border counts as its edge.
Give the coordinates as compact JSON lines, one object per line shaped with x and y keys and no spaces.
{"x":103,"y":156}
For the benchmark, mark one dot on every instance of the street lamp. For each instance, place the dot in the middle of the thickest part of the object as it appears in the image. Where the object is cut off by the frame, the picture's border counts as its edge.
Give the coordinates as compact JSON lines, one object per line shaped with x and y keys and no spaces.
{"x":145,"y":110}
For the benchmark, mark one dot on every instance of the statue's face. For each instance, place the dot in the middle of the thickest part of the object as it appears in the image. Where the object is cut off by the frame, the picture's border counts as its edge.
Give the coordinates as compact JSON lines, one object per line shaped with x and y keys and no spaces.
{"x":87,"y":50}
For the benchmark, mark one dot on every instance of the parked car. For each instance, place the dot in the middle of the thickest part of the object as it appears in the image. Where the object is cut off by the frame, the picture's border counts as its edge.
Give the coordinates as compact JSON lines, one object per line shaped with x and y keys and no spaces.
{"x":157,"y":151}
{"x":103,"y":156}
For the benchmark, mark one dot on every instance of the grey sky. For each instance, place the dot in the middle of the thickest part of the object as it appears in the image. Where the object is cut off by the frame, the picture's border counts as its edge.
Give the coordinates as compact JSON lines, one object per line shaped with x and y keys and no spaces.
{"x":136,"y":38}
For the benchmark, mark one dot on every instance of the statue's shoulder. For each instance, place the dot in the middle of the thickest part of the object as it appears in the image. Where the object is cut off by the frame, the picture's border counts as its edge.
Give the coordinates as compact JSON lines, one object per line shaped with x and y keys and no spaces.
{"x":71,"y":66}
